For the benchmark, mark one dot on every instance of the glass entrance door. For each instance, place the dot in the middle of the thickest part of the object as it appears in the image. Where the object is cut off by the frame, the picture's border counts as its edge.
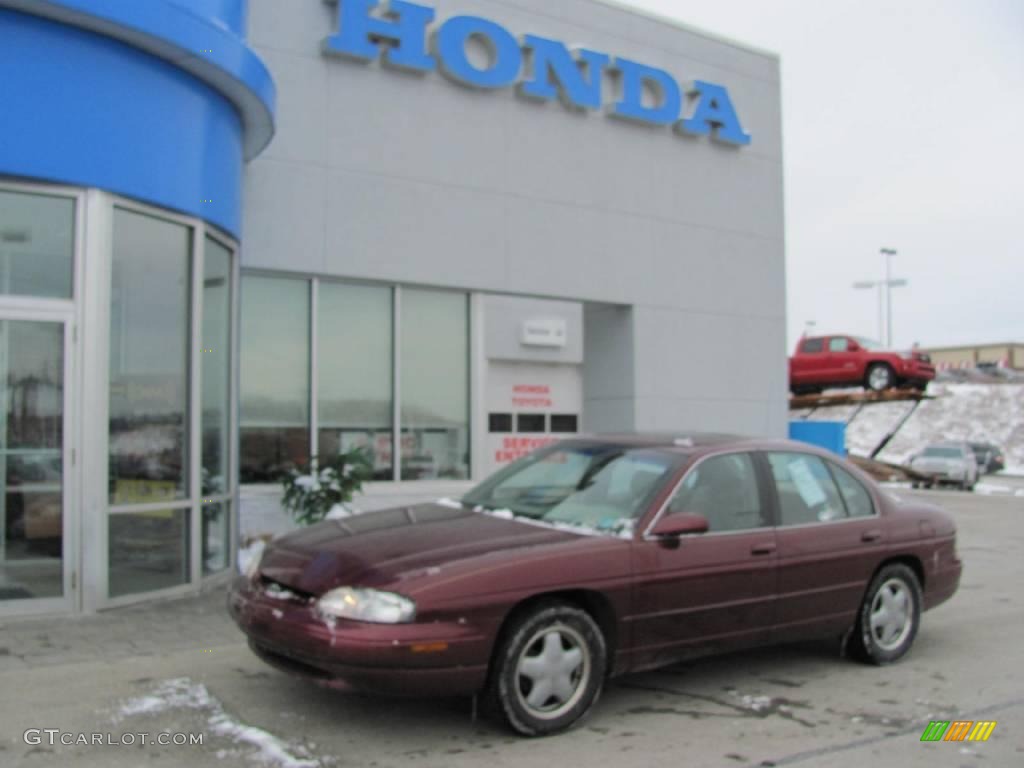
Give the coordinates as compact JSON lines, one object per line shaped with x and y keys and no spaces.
{"x":35,"y":546}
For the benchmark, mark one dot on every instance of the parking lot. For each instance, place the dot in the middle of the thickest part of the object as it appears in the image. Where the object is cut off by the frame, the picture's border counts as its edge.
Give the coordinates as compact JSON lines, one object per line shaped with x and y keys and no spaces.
{"x":798,"y":705}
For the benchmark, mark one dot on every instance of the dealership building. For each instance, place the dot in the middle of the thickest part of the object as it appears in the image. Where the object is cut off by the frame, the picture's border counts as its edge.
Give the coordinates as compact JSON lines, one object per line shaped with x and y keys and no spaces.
{"x":235,"y":236}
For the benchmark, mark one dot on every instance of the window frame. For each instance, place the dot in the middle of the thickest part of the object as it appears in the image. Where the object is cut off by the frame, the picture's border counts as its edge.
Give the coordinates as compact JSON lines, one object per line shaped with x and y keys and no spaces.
{"x":194,"y":501}
{"x":476,"y":418}
{"x":832,"y":467}
{"x":768,"y":479}
{"x":764,"y":497}
{"x":845,"y":342}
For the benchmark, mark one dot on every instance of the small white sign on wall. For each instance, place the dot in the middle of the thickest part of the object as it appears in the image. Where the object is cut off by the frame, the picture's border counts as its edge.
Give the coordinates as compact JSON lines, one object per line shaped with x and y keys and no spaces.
{"x":544,"y":332}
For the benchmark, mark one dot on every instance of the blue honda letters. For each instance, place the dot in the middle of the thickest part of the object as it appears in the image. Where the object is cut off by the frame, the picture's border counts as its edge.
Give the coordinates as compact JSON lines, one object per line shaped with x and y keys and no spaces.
{"x":402,"y":34}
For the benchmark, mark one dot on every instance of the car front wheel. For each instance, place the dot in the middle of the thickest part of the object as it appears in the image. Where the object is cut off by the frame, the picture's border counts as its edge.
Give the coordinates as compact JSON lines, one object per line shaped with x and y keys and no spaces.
{"x":549,"y":670}
{"x":880,"y":377}
{"x":889,"y":616}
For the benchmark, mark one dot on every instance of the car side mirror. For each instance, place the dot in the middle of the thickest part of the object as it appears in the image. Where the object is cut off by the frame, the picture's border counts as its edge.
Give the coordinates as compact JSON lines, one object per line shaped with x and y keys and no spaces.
{"x":853,"y":347}
{"x":680,"y":524}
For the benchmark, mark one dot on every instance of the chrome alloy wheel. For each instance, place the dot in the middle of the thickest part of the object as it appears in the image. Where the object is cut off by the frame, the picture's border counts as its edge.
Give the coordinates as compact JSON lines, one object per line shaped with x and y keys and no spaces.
{"x":552,"y":671}
{"x":879,"y":378}
{"x":891,"y":617}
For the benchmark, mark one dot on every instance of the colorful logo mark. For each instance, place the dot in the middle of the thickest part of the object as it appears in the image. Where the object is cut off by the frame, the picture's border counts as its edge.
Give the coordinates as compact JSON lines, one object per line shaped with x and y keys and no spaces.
{"x":958,"y":730}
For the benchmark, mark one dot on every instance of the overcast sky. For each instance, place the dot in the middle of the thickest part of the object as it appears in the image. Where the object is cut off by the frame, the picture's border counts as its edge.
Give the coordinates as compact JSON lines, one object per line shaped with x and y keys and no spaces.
{"x":903,"y":124}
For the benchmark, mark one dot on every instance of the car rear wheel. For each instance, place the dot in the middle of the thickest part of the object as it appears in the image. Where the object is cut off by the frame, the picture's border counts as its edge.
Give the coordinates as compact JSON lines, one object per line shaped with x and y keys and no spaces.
{"x":549,"y":670}
{"x":879,"y":377}
{"x":889,"y":616}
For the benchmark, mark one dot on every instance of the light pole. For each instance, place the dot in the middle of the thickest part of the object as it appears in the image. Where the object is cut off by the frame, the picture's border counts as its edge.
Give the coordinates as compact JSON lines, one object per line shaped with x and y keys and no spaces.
{"x":888,"y":284}
{"x":889,"y":253}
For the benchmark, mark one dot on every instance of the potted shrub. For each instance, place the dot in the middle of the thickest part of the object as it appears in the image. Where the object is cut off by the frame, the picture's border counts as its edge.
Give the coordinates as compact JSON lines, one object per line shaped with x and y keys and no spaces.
{"x":323,"y":489}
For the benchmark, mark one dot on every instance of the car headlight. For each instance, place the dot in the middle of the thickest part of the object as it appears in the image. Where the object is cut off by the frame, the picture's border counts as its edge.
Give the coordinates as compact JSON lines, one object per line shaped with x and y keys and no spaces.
{"x":367,"y":605}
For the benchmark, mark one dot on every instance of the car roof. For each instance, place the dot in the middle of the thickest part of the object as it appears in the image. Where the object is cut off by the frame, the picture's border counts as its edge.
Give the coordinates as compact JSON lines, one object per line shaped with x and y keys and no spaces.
{"x":689,"y":442}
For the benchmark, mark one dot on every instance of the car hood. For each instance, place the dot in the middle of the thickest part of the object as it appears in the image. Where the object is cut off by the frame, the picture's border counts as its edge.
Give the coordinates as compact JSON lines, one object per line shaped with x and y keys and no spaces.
{"x":379,"y":548}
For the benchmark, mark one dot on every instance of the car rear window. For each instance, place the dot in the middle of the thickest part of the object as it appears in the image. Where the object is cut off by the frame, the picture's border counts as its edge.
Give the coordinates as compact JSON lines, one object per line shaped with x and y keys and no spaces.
{"x":943,"y":452}
{"x":812,"y":345}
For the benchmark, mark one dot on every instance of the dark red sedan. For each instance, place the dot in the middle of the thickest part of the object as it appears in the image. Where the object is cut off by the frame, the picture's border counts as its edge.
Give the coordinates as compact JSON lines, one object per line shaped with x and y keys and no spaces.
{"x":595,"y":557}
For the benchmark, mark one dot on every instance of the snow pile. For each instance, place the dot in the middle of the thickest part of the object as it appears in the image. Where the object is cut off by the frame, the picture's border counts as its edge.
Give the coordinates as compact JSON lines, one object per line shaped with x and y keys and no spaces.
{"x":988,"y":413}
{"x":182,"y":693}
{"x":341,"y":511}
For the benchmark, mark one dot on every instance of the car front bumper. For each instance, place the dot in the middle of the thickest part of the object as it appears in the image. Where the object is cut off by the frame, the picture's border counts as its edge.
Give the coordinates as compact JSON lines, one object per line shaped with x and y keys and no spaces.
{"x":915,"y":370}
{"x":415,"y":659}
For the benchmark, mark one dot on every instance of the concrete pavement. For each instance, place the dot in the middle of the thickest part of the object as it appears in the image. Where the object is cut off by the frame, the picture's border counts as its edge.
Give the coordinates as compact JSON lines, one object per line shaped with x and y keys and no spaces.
{"x":181,"y":667}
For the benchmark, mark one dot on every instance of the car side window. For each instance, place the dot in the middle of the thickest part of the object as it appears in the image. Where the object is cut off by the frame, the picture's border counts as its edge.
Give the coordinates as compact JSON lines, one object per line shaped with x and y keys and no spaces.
{"x":837,"y":345}
{"x":812,"y":345}
{"x":858,"y":500}
{"x":806,"y":491}
{"x":724,"y":490}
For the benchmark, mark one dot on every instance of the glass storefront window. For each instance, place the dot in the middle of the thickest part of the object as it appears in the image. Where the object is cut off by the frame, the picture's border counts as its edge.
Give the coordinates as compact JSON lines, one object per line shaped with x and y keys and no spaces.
{"x":148,"y":551}
{"x":31,"y":444}
{"x":354,"y":340}
{"x":275,"y":337}
{"x":435,"y":384}
{"x":215,"y":366}
{"x":36,"y":245}
{"x":149,"y":360}
{"x":216,"y":537}
{"x":355,"y":377}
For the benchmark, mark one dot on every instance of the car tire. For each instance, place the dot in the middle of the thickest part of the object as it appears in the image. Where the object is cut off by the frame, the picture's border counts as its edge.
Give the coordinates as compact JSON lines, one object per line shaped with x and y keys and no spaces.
{"x":879,"y":377}
{"x":548,"y":671}
{"x":889,"y":616}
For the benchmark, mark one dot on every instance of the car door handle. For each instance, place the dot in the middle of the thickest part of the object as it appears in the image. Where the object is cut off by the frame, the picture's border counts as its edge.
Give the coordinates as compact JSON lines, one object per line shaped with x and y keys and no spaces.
{"x":763,"y":549}
{"x":873,"y":535}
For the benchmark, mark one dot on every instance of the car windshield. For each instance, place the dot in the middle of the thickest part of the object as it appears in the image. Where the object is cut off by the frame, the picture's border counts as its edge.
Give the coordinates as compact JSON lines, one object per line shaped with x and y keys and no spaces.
{"x":594,"y":485}
{"x":943,"y":452}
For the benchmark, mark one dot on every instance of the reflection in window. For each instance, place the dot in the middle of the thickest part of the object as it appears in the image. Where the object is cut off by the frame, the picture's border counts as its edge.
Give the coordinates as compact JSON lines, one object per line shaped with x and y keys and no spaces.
{"x":856,"y":496}
{"x":31,"y":512}
{"x":354,"y":333}
{"x":149,"y":372}
{"x":36,"y":245}
{"x":722,"y":489}
{"x":806,"y":491}
{"x":215,"y":364}
{"x":275,"y":336}
{"x":604,"y":487}
{"x":435,"y":384}
{"x":148,"y":551}
{"x":216,"y":538}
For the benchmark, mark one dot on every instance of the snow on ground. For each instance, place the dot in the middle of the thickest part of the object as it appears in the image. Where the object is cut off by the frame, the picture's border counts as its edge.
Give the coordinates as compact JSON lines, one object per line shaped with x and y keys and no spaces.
{"x":182,"y":693}
{"x":990,"y":413}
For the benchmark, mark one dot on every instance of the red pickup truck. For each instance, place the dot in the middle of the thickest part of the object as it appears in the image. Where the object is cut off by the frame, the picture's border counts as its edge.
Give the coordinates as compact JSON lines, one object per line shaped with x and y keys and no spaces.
{"x":846,"y":361}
